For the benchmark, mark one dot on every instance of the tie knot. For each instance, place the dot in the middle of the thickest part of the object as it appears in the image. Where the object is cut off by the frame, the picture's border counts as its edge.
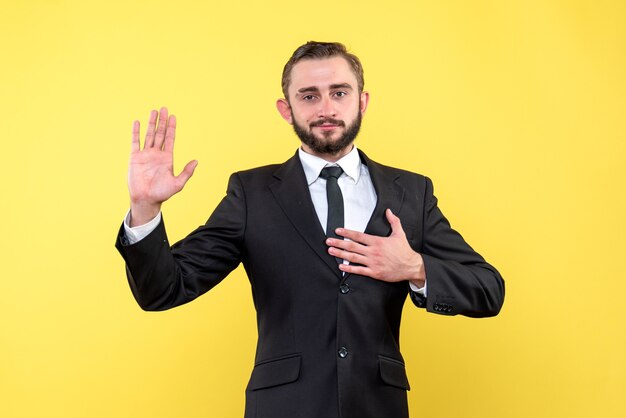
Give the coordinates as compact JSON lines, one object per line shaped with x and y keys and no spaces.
{"x":334,"y":172}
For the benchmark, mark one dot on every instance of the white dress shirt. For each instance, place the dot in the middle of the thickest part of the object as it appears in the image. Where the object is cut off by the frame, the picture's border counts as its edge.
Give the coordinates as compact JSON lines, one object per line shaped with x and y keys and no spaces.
{"x":359,"y":197}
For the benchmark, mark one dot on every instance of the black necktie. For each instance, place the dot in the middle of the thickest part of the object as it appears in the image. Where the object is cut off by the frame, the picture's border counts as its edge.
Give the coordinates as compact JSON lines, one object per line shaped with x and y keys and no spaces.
{"x":335,"y":202}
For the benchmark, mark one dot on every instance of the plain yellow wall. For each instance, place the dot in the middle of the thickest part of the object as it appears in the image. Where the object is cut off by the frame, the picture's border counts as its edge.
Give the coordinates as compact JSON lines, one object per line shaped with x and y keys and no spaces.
{"x":516,"y":109}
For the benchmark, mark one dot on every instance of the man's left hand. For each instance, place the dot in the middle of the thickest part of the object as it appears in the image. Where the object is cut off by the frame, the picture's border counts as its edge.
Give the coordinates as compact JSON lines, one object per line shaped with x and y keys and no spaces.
{"x":390,"y":259}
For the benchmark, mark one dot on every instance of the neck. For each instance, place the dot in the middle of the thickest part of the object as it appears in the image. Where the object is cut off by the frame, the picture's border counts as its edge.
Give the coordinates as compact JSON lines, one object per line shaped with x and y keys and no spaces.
{"x":331,"y":158}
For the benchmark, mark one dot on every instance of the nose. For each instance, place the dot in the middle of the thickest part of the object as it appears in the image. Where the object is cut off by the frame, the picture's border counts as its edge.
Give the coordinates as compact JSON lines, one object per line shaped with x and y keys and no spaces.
{"x":327,"y":108}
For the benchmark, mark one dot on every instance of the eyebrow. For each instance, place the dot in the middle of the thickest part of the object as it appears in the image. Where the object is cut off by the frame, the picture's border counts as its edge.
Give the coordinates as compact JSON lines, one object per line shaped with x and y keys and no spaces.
{"x":313,"y":89}
{"x":341,"y":86}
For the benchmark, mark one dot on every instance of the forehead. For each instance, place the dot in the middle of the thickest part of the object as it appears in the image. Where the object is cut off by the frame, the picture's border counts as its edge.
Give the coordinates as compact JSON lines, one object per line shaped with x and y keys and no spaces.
{"x":321,"y":73}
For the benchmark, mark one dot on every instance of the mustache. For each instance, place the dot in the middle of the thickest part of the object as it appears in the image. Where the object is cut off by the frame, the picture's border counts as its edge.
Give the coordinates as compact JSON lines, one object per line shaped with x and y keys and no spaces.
{"x":327,"y":121}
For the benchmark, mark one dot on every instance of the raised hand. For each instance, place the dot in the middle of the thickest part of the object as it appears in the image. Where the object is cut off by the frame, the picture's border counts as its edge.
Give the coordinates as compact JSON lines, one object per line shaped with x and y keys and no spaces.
{"x":151,"y":179}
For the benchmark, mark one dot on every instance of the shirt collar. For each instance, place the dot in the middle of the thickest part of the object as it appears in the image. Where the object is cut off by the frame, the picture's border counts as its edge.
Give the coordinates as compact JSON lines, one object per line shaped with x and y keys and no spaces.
{"x":313,"y":165}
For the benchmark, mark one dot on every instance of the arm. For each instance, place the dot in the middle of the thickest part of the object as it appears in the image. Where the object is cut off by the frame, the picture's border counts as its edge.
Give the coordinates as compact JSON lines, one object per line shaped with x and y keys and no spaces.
{"x":162,"y":277}
{"x":460,"y":281}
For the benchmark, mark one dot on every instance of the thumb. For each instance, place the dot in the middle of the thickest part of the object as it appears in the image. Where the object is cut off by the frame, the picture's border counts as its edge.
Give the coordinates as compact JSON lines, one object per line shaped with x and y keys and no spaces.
{"x":186,"y":174}
{"x":394,"y":221}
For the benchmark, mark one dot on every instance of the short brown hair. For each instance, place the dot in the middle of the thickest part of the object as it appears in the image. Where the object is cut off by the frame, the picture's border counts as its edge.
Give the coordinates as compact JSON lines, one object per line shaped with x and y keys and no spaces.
{"x":321,"y":50}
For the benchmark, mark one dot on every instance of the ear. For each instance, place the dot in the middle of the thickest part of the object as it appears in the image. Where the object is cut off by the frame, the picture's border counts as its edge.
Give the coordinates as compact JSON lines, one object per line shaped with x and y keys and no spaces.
{"x":364,"y":100}
{"x":284,"y":109}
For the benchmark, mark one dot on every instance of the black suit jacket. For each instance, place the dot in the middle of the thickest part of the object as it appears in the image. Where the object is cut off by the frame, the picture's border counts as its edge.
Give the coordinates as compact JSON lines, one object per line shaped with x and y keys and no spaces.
{"x":328,"y":345}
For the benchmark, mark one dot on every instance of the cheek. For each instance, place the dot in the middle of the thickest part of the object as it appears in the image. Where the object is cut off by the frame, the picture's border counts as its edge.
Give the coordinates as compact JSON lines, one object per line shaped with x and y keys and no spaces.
{"x":302,"y":117}
{"x":351,"y":112}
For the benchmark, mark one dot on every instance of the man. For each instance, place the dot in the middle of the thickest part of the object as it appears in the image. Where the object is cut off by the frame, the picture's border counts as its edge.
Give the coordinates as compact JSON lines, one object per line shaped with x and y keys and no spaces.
{"x":332,"y":243}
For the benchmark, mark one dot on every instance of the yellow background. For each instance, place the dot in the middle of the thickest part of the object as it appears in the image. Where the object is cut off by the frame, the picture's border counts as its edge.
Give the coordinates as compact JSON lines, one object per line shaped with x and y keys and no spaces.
{"x":516,"y":110}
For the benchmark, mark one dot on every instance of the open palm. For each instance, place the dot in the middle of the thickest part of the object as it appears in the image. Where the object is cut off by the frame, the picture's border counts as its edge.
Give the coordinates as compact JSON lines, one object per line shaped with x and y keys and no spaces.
{"x":151,"y":179}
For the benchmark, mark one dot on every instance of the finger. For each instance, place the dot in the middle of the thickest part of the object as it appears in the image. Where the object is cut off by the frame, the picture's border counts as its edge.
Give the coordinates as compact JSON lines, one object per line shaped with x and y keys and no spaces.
{"x":170,"y":134}
{"x":161,"y":128}
{"x":186,"y":174}
{"x":348,"y":255}
{"x":149,"y":141}
{"x":356,"y":236}
{"x":134,"y":147}
{"x":394,"y":221}
{"x":360,"y":270}
{"x":351,"y":246}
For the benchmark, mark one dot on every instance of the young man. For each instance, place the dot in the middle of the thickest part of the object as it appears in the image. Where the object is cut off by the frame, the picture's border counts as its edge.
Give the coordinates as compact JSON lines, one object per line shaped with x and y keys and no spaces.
{"x":328,"y":308}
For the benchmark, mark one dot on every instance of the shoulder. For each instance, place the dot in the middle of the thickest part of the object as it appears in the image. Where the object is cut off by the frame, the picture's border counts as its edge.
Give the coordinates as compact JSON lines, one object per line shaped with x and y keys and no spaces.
{"x":253,"y":177}
{"x":398,"y":172}
{"x":263,"y":171}
{"x":405,"y":177}
{"x":270,"y":173}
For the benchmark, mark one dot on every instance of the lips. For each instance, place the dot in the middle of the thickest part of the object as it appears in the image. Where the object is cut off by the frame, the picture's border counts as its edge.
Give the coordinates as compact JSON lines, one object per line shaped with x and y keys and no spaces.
{"x":327,"y":124}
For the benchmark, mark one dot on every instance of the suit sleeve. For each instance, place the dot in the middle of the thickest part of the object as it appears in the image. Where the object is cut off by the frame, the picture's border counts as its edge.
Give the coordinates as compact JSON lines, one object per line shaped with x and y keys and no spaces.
{"x":162,"y":277}
{"x":459,"y":279}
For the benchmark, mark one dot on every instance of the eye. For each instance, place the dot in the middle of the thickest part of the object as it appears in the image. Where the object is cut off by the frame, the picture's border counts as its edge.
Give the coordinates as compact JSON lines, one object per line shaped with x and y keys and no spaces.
{"x":341,"y":94}
{"x":308,"y":97}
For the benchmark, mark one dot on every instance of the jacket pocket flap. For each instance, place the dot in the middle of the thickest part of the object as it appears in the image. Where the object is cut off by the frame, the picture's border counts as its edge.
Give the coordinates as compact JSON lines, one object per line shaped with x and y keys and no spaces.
{"x":393,"y":373}
{"x":275,"y":372}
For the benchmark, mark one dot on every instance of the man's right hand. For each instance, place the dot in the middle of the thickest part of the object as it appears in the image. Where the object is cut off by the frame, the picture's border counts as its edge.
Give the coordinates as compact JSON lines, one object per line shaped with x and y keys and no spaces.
{"x":151,"y":179}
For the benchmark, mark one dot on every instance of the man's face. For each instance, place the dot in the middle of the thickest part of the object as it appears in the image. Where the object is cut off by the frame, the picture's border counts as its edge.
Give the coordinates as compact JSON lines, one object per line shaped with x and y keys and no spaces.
{"x":324,"y":105}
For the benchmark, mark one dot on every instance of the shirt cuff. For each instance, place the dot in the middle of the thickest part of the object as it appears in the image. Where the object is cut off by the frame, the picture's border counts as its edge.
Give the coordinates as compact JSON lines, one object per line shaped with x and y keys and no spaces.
{"x":137,"y":233}
{"x":418,"y":290}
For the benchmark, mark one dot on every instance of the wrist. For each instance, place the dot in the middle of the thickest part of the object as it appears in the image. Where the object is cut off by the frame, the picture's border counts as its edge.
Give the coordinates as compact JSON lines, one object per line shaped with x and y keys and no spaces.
{"x":143,"y":212}
{"x":418,"y":272}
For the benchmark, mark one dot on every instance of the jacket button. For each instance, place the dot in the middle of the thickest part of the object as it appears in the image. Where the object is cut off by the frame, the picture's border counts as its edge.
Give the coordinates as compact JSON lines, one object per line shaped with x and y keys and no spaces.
{"x":344,"y":288}
{"x":343,"y":352}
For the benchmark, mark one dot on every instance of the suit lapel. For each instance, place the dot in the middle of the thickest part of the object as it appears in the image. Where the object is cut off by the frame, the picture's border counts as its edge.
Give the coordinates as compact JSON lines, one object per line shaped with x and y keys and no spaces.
{"x":389,"y":194}
{"x":292,"y":194}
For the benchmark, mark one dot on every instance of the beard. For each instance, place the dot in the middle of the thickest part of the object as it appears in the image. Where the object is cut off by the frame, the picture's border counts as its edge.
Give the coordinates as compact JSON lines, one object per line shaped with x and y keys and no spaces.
{"x":326,"y":145}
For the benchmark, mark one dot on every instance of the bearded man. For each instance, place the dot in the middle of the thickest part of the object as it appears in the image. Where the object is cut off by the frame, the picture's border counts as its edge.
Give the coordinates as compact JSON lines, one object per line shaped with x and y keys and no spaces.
{"x":332,"y":243}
